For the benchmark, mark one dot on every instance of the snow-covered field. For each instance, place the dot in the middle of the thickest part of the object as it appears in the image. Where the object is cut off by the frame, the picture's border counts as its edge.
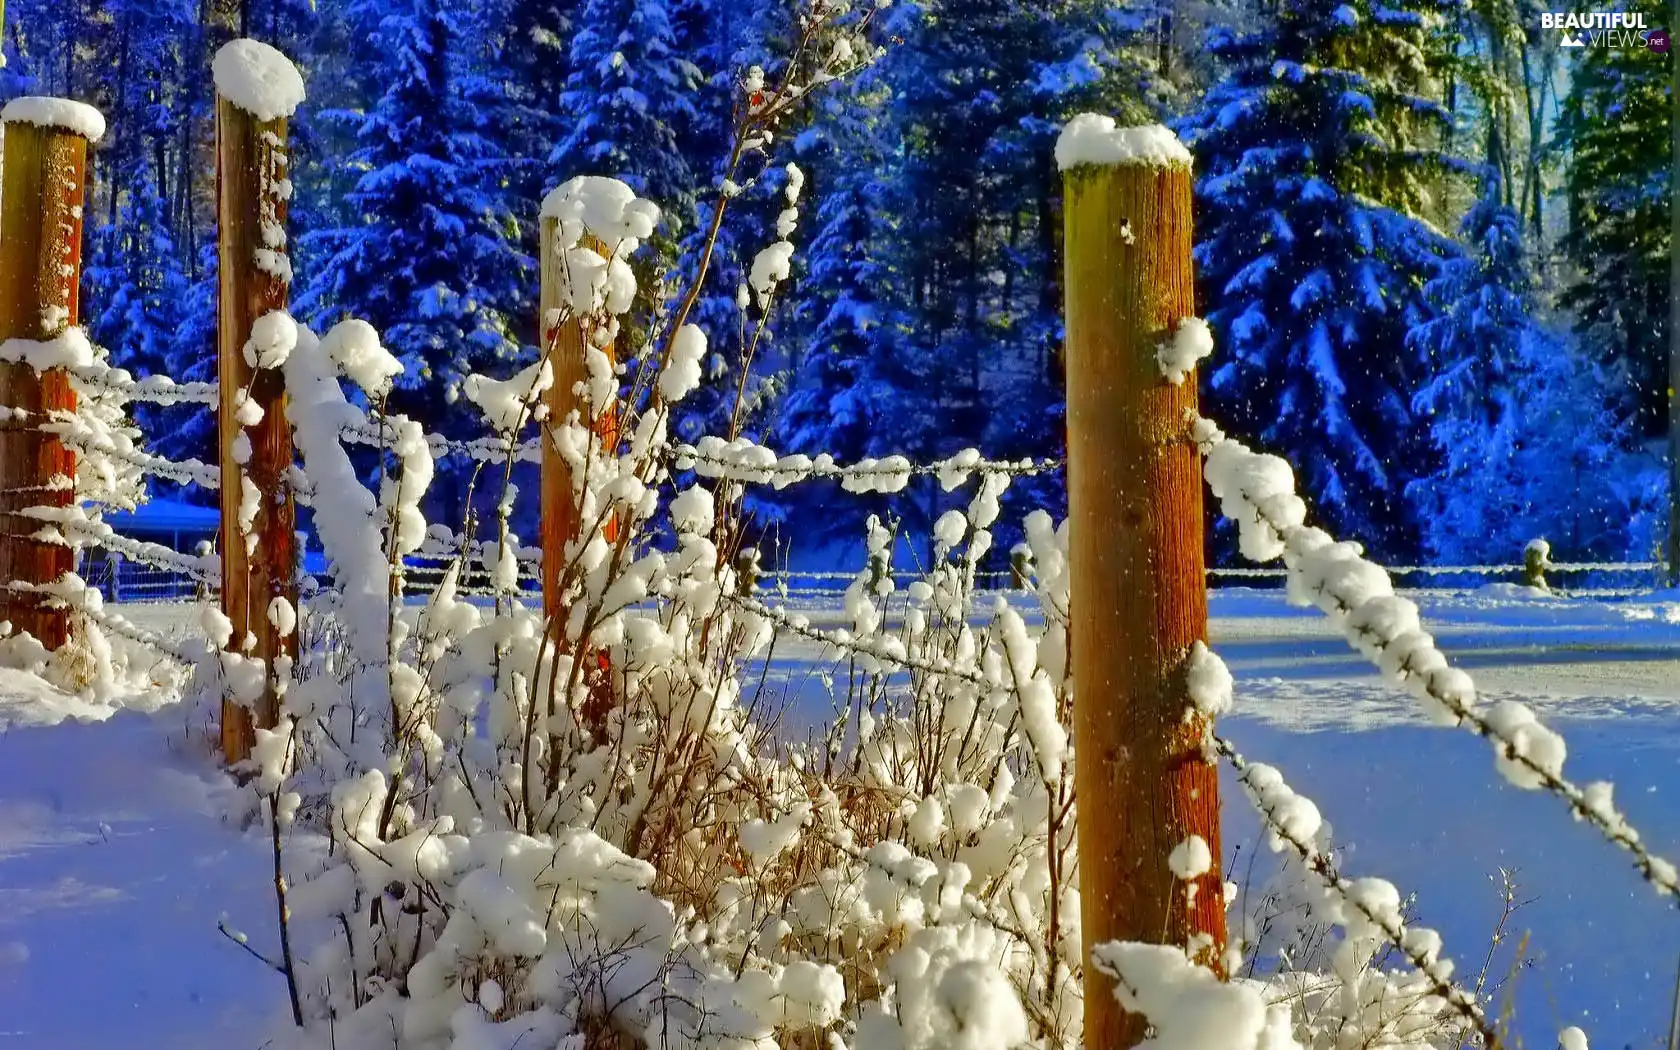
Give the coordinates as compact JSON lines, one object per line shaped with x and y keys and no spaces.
{"x":114,"y":868}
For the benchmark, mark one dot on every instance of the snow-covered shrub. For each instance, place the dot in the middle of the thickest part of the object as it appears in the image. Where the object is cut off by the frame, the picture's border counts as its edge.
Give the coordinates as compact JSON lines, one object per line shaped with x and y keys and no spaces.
{"x":499,"y":826}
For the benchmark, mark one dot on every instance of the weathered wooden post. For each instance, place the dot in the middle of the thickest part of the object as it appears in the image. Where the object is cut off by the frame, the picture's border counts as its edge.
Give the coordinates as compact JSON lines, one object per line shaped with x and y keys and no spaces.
{"x":257,"y":90}
{"x":564,"y":341}
{"x":1139,"y":597}
{"x":45,"y":183}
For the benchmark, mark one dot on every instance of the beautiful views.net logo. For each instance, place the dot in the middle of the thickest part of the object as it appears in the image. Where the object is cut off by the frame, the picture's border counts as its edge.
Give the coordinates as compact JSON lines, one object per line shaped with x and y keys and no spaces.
{"x":1605,"y":29}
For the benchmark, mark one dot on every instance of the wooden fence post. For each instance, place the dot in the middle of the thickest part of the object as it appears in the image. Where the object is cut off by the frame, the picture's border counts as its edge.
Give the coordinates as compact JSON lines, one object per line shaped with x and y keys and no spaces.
{"x":257,"y":90}
{"x":45,"y":183}
{"x":1139,"y":596}
{"x":566,"y":357}
{"x":560,"y":524}
{"x":563,"y":342}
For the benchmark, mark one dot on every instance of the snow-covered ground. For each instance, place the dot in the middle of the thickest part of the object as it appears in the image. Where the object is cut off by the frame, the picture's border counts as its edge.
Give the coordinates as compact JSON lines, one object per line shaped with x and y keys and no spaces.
{"x":114,"y":868}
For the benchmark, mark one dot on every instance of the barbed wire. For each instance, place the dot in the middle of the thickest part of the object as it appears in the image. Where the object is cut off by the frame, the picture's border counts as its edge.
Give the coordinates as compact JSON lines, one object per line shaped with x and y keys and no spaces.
{"x":202,"y":569}
{"x":746,"y":461}
{"x":1428,"y":964}
{"x":155,"y":389}
{"x":1600,"y":812}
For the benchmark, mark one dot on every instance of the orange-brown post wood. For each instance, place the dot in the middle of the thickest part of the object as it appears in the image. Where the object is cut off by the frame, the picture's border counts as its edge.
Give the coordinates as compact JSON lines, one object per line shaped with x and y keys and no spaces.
{"x":566,"y":357}
{"x":1139,"y":596}
{"x":45,"y":182}
{"x":258,"y":563}
{"x":560,"y":524}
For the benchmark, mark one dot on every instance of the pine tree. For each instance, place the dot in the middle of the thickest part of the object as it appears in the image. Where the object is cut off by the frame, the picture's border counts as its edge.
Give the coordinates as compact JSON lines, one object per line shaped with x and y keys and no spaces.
{"x":978,"y":92}
{"x":1615,"y":126}
{"x":528,"y":44}
{"x":134,"y":277}
{"x":1527,"y":442}
{"x":1316,"y":154}
{"x":191,"y":358}
{"x":136,"y":281}
{"x":852,"y":379}
{"x":723,"y":42}
{"x":432,"y":261}
{"x":630,"y":99}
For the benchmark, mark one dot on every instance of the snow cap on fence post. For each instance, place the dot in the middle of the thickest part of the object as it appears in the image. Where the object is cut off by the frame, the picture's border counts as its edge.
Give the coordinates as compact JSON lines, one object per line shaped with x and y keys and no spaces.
{"x":258,"y":79}
{"x":1093,"y":140}
{"x":78,"y":118}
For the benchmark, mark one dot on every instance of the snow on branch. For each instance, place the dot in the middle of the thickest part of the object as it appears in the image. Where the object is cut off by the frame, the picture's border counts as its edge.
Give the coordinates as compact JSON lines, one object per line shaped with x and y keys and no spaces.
{"x":1258,"y":493}
{"x":75,"y":117}
{"x":258,"y":79}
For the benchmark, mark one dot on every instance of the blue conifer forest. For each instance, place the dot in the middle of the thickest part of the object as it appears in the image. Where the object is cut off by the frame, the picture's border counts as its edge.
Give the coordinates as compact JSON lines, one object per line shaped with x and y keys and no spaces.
{"x":1432,"y":241}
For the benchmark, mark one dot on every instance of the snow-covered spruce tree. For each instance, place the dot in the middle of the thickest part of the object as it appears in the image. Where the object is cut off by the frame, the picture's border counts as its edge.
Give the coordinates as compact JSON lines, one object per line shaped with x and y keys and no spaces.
{"x":135,"y":284}
{"x":531,"y":39}
{"x":524,"y":47}
{"x":1526,"y":444}
{"x":1315,"y":156}
{"x":630,"y":97}
{"x":726,"y":43}
{"x":1614,"y":129}
{"x":426,"y":254}
{"x":854,"y":392}
{"x":134,"y":278}
{"x":191,"y":358}
{"x":972,"y":100}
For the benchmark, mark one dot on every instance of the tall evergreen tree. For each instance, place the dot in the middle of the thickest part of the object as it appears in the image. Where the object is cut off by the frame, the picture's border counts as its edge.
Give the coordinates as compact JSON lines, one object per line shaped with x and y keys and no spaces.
{"x":977,"y":92}
{"x":630,"y":97}
{"x":431,"y":261}
{"x":191,"y":358}
{"x":1615,"y":126}
{"x":527,"y":50}
{"x":723,"y":43}
{"x":850,"y":398}
{"x":1316,"y":153}
{"x":1526,"y":443}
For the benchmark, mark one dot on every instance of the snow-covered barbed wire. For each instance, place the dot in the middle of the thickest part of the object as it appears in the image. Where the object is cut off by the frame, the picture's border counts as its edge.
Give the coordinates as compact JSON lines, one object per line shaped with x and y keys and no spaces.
{"x":81,"y":530}
{"x":1366,"y":908}
{"x":373,"y":432}
{"x":185,"y":472}
{"x":1257,"y":492}
{"x":153,"y":389}
{"x":115,"y":623}
{"x":743,"y":460}
{"x":1236,"y":572}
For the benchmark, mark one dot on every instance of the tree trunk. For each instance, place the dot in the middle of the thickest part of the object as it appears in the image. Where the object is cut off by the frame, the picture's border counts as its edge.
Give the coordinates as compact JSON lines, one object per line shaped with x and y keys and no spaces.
{"x":41,"y":202}
{"x":259,"y":562}
{"x":1139,"y":597}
